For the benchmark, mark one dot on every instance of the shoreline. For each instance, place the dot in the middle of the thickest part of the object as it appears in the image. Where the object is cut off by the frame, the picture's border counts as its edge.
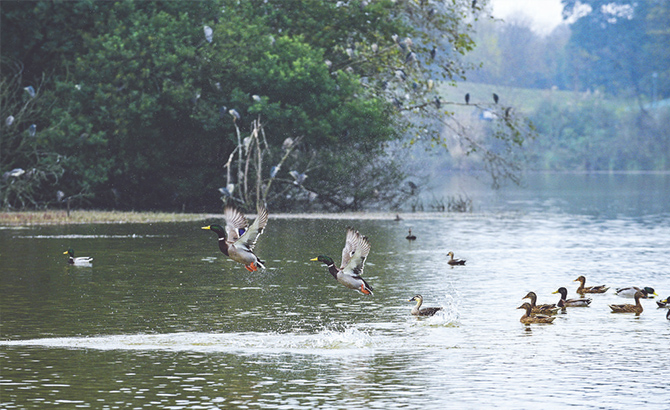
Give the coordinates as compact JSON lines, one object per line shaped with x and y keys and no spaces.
{"x":53,"y":217}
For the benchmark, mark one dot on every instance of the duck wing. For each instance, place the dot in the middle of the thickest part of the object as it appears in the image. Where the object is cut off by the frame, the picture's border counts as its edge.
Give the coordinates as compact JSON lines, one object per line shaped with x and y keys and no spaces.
{"x":356,"y":249}
{"x":250,"y":235}
{"x":236,"y":224}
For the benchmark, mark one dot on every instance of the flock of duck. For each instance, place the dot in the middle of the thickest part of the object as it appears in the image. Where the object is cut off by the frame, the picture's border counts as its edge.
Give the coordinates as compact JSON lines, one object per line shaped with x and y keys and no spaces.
{"x":238,"y":239}
{"x":535,"y":313}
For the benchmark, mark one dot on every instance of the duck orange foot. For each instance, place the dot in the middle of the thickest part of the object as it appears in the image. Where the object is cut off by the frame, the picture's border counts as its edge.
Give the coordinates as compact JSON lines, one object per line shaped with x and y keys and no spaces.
{"x":251,"y":267}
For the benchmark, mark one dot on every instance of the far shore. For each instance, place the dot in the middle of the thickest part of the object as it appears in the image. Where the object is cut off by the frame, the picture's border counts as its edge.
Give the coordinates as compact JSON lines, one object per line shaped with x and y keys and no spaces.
{"x":57,"y":217}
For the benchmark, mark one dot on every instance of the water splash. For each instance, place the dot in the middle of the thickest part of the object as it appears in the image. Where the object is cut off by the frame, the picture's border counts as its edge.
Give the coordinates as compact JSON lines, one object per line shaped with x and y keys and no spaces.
{"x":250,"y":343}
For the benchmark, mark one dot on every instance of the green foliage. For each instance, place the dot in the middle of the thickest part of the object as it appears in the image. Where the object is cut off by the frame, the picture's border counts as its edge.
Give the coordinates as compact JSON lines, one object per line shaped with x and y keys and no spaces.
{"x":620,"y":46}
{"x":589,"y":134}
{"x":30,"y":164}
{"x":139,"y":101}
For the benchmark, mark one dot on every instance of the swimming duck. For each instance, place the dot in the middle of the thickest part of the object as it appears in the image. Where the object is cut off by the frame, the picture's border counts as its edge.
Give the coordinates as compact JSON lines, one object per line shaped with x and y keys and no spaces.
{"x":629,"y":292}
{"x":417,"y":311}
{"x":454,"y":262}
{"x":563,"y":302}
{"x":547,"y":309}
{"x":238,"y":239}
{"x":78,"y":261}
{"x":590,"y":289}
{"x":356,"y":249}
{"x":628,"y":308}
{"x":410,"y":237}
{"x":664,"y":303}
{"x":528,"y":319}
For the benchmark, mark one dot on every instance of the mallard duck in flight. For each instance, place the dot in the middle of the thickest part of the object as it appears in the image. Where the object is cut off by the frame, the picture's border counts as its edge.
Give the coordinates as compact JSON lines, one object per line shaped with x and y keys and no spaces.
{"x":454,"y":262}
{"x":544,"y":309}
{"x":356,"y":249}
{"x":628,"y":308}
{"x":629,"y":292}
{"x":563,"y":302}
{"x":417,"y":311}
{"x":527,"y":318}
{"x":78,"y":261}
{"x":238,"y":239}
{"x":589,"y":289}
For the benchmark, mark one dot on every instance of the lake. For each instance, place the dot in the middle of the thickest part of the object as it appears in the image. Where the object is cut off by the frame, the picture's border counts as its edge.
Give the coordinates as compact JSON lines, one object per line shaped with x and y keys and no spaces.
{"x":163,"y":320}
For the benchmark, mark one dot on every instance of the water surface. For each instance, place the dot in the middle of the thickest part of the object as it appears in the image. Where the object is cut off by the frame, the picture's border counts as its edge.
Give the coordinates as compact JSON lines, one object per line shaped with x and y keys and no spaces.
{"x":162,"y":319}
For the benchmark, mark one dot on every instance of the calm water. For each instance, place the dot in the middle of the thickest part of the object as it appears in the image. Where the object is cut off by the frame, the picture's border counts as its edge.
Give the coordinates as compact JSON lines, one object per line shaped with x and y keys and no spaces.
{"x":163,"y":320}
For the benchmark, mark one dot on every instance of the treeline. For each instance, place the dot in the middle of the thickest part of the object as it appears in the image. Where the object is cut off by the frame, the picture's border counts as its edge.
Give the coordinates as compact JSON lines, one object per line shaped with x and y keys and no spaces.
{"x":174,"y":105}
{"x":614,"y":57}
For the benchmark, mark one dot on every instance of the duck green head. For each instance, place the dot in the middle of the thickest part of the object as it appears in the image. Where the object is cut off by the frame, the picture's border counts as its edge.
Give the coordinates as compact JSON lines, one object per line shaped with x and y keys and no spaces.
{"x":563,"y":291}
{"x":650,"y":291}
{"x":218,"y":229}
{"x":69,"y":252}
{"x":325,"y":259}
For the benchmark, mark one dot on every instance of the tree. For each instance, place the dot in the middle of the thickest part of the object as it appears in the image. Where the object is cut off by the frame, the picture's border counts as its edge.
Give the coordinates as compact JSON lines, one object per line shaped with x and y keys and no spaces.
{"x":151,"y":98}
{"x":31,"y":167}
{"x":619,"y":46}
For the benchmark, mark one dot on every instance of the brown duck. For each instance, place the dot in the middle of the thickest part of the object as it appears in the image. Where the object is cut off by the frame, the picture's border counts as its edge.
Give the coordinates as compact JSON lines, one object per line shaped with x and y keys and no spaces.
{"x":628,"y":308}
{"x":417,"y":311}
{"x":589,"y":289}
{"x":547,"y":309}
{"x":454,"y":262}
{"x":527,"y":318}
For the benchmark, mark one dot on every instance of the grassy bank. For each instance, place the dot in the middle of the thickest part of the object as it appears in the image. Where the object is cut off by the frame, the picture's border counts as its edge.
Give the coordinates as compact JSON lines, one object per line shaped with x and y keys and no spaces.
{"x":84,"y":217}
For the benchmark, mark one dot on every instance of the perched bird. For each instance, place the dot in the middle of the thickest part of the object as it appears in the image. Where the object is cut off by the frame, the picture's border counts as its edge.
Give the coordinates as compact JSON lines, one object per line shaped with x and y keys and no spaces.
{"x":628,"y":308}
{"x":410,"y":237}
{"x":527,"y":318}
{"x":417,"y":311}
{"x":238,"y":239}
{"x":629,"y":292}
{"x":467,"y":98}
{"x":208,"y":33}
{"x":228,"y":190}
{"x":298,"y":177}
{"x":235,"y":114}
{"x":454,"y":262}
{"x":32,"y":130}
{"x":78,"y":261}
{"x":664,"y":303}
{"x":433,"y":53}
{"x":411,"y":56}
{"x":30,"y":90}
{"x":287,"y":144}
{"x":495,"y":98}
{"x":563,"y":302}
{"x":590,"y":289}
{"x":437,"y":102}
{"x":547,"y":309}
{"x":9,"y":120}
{"x":355,"y":251}
{"x":14,"y":173}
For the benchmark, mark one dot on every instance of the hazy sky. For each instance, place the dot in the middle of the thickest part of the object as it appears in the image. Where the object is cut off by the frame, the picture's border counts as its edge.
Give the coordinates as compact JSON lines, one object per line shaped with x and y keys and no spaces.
{"x":546,"y":14}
